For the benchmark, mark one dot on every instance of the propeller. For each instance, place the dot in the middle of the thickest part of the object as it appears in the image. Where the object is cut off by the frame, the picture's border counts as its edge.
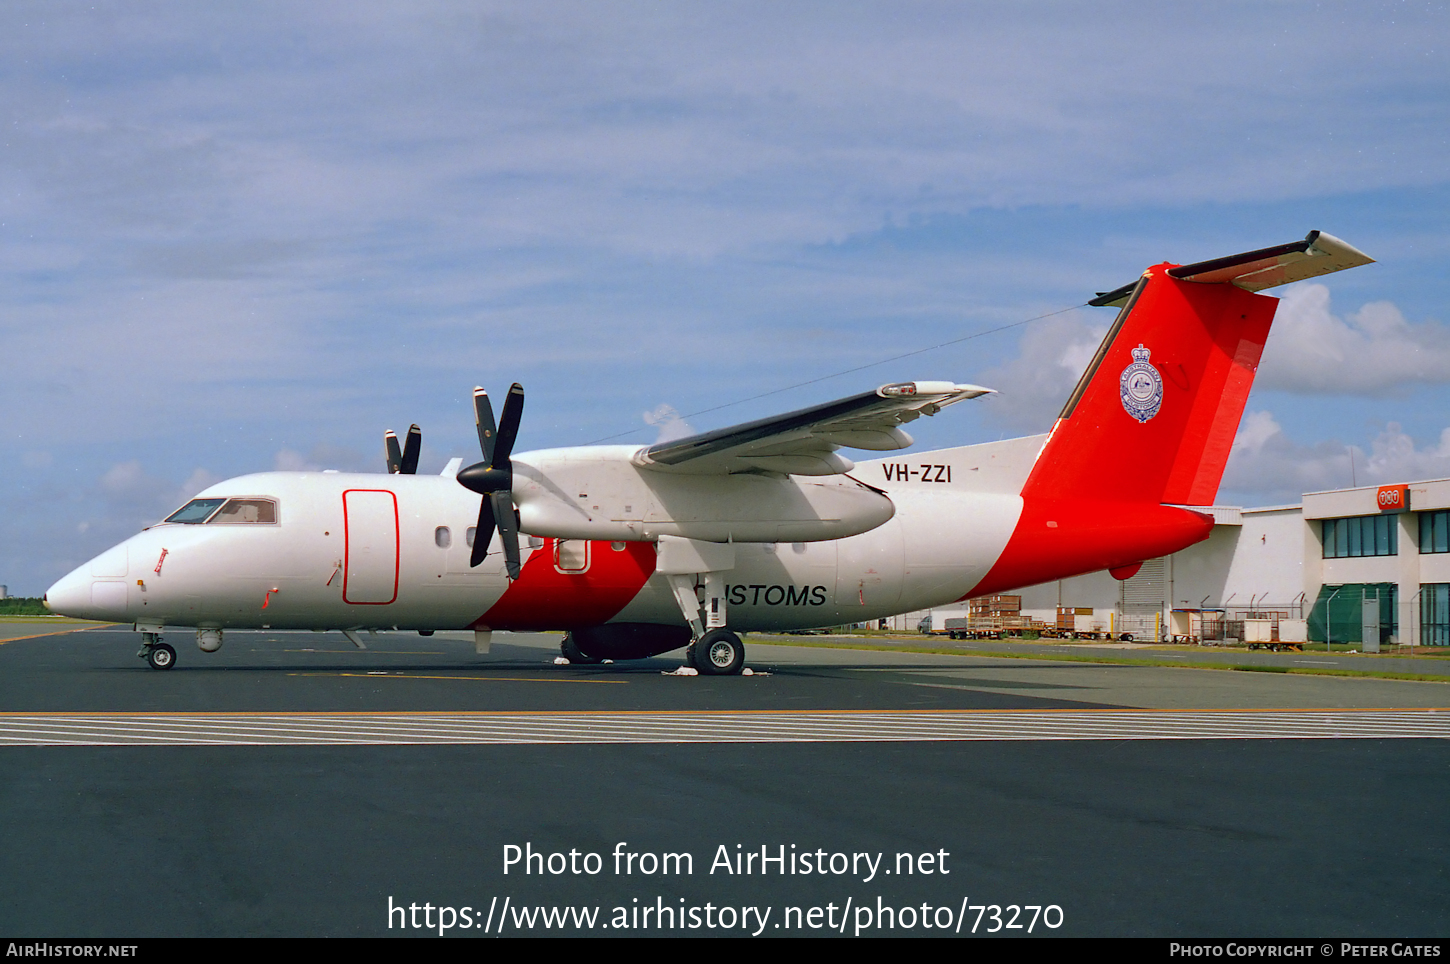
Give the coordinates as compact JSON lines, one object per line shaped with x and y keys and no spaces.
{"x":493,"y":478}
{"x":404,"y":462}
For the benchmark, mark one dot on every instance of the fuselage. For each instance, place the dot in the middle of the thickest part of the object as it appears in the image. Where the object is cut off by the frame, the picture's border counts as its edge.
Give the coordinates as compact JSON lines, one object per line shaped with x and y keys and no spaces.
{"x":351,"y":551}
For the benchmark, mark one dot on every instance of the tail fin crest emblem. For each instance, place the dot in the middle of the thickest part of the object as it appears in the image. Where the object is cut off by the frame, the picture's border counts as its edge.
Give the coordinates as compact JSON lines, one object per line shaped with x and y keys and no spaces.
{"x":1141,"y":387}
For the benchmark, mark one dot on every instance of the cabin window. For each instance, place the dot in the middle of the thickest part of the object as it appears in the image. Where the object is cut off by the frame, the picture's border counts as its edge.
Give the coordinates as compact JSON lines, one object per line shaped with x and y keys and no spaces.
{"x":571,"y":555}
{"x":442,"y":538}
{"x":195,"y":512}
{"x":468,"y":535}
{"x":246,"y":511}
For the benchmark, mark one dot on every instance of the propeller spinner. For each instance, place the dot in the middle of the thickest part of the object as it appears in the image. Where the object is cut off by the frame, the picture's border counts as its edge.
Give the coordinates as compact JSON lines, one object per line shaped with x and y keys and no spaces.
{"x":404,"y":461}
{"x":493,"y":477}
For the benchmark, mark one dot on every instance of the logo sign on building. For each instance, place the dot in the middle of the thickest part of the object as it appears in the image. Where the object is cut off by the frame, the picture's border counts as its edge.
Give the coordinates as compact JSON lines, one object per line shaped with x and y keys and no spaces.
{"x":1393,"y":498}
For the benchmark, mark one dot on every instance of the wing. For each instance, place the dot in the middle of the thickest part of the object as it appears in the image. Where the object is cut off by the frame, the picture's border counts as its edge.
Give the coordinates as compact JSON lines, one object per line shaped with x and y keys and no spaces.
{"x":805,"y":442}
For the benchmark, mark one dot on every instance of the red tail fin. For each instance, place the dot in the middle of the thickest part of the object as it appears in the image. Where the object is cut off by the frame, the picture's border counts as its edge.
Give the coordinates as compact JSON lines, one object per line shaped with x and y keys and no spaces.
{"x":1154,"y":415}
{"x":1151,"y":422}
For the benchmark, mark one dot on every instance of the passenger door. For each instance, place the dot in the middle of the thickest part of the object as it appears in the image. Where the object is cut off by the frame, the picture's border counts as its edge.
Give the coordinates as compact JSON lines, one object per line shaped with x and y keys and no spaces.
{"x":370,"y":561}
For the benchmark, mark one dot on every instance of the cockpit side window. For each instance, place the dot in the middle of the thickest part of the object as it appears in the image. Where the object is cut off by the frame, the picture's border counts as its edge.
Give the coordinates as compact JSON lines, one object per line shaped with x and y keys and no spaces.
{"x":196,"y":511}
{"x":243,"y":511}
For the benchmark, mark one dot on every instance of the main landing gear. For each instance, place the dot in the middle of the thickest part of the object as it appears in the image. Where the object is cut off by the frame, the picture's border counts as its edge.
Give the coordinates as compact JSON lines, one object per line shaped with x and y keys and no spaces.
{"x":157,"y":654}
{"x":717,"y":653}
{"x":571,"y":651}
{"x":686,"y":563}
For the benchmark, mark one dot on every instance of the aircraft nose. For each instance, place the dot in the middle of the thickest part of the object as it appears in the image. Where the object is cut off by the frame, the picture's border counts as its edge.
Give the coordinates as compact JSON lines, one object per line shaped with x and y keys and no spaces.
{"x":70,"y":594}
{"x":96,"y":590}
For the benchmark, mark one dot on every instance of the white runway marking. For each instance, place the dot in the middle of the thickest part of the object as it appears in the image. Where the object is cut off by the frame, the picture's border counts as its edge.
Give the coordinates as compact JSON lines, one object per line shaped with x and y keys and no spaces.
{"x":326,"y":729}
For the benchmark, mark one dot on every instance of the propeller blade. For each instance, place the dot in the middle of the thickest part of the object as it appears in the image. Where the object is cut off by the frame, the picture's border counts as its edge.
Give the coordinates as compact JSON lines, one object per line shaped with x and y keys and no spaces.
{"x":483,"y":418}
{"x":508,"y":426}
{"x":391,"y":452}
{"x":493,"y":477}
{"x":483,"y":535}
{"x":508,"y":530}
{"x":411,"y":449}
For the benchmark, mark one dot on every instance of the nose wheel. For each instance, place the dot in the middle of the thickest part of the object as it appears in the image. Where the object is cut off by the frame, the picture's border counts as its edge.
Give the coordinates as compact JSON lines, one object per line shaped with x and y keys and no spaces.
{"x":161,"y":656}
{"x":157,"y":654}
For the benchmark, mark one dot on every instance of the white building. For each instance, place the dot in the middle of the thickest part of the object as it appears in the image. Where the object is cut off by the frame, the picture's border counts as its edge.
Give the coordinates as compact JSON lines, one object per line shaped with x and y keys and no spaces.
{"x":1339,"y":560}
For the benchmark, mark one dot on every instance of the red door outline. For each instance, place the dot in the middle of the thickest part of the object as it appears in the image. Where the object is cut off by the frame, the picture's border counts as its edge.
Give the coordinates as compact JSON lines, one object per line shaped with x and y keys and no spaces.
{"x":347,"y":549}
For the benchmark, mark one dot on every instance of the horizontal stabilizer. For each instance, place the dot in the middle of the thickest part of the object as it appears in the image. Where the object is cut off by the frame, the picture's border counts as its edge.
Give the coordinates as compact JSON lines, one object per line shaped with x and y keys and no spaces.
{"x":1318,"y":254}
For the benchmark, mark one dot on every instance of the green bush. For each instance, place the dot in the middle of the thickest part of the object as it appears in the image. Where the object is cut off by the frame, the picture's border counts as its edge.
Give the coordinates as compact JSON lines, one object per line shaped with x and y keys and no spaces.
{"x":23,"y":606}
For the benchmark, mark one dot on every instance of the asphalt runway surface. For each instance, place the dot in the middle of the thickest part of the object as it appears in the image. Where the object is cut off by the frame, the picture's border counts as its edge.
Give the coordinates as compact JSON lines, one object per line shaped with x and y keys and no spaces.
{"x":297,"y":786}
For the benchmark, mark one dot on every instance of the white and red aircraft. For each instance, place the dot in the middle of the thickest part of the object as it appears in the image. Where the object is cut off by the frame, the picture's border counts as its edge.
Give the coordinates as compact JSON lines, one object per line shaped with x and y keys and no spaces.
{"x":636,"y":551}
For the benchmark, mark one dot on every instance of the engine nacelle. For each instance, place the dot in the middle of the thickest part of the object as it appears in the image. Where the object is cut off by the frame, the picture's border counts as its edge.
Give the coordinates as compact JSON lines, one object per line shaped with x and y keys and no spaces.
{"x":598,"y":493}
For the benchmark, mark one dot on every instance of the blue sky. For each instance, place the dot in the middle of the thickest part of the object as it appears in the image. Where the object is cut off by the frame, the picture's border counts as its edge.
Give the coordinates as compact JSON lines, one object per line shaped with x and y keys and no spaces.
{"x":257,"y":235}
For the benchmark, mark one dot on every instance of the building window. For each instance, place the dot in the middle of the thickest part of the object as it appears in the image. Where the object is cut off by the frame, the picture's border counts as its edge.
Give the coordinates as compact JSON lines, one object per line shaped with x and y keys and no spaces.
{"x":1338,"y":615}
{"x":1366,"y":535}
{"x":1435,"y":531}
{"x":1435,"y":614}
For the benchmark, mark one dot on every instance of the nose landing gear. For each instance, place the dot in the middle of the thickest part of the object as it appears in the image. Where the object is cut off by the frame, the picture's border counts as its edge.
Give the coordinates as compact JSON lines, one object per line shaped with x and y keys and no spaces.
{"x":157,"y":654}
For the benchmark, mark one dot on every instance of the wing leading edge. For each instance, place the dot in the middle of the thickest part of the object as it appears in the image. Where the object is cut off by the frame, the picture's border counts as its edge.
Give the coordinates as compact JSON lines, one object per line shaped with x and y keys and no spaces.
{"x":805,"y":442}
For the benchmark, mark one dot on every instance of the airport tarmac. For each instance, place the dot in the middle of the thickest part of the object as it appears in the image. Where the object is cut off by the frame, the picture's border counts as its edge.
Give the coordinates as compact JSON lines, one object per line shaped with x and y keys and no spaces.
{"x":295,"y":785}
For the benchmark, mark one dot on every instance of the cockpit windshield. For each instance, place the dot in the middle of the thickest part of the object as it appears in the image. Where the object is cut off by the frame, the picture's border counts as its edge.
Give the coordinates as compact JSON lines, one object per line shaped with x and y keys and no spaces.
{"x":234,"y":511}
{"x":246,"y":510}
{"x":195,"y":511}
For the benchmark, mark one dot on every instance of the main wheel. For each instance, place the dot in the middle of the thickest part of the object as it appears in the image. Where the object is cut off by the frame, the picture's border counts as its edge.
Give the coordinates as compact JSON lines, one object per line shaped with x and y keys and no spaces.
{"x":573,"y":653}
{"x":719,"y":653}
{"x":161,"y":656}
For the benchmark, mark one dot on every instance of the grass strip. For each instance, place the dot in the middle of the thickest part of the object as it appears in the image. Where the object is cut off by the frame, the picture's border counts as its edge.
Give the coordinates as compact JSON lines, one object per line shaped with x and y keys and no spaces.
{"x":1114,"y":660}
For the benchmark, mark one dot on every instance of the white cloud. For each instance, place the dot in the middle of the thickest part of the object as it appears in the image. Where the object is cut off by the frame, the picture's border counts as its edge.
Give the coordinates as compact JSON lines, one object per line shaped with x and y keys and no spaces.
{"x":290,"y":461}
{"x":1266,"y":466}
{"x":1374,"y":351}
{"x":128,"y":482}
{"x":1393,"y":457}
{"x":703,"y":131}
{"x":1033,"y":387}
{"x":135,"y":498}
{"x":324,"y":456}
{"x":667,"y":419}
{"x":196,"y":482}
